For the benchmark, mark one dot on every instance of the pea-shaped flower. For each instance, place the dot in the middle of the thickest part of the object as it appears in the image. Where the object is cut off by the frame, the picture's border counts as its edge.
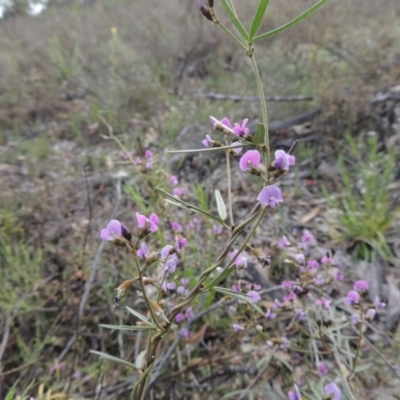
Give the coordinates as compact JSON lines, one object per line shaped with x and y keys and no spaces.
{"x":270,"y":196}
{"x":250,"y":160}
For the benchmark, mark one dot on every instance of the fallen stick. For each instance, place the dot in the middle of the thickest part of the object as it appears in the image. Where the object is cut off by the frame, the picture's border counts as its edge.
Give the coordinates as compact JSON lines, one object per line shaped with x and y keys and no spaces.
{"x":235,"y":97}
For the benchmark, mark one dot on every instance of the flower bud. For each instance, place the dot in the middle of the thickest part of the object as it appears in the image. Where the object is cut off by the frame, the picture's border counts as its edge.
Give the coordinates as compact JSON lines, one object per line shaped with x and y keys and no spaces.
{"x":121,"y":291}
{"x":153,"y":257}
{"x":205,"y":11}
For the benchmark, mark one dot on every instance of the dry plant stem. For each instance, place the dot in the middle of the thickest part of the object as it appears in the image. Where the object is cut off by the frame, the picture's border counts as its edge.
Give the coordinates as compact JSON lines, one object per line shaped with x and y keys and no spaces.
{"x":250,"y":53}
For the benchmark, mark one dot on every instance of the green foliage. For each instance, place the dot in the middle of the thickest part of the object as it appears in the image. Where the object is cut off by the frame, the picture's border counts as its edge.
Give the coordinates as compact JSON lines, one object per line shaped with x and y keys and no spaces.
{"x":21,"y":265}
{"x":365,"y":214}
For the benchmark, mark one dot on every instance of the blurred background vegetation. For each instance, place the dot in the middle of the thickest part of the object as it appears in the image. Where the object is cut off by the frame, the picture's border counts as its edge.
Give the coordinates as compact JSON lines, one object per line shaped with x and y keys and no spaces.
{"x":146,"y":67}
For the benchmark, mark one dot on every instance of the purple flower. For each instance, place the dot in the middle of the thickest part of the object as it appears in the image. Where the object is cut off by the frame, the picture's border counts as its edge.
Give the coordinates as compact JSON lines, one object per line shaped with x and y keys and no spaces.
{"x":296,"y":395}
{"x":322,"y":370}
{"x":323,"y":302}
{"x":222,"y":125}
{"x":169,"y":286}
{"x":180,"y":290}
{"x":284,"y":242}
{"x":300,"y":314}
{"x":241,"y":130}
{"x":269,"y":314}
{"x":378,"y":303}
{"x":290,"y":297}
{"x":148,"y":154}
{"x":370,"y":314}
{"x":355,"y":319}
{"x":185,"y":333}
{"x":318,"y":280}
{"x":238,"y":147}
{"x":328,"y":260}
{"x":176,"y":226}
{"x":307,"y":237}
{"x":332,"y":390}
{"x":352,"y":298}
{"x":180,"y":244}
{"x":361,"y":286}
{"x":249,"y":160}
{"x":208,"y":142}
{"x":312,"y":264}
{"x":185,"y":281}
{"x":179,"y":318}
{"x":166,"y":251}
{"x":277,"y":304}
{"x":337,"y":275}
{"x":150,"y":224}
{"x":173,"y":180}
{"x":189,"y":314}
{"x":253,"y":295}
{"x":286,"y":285}
{"x":285,"y":343}
{"x":144,"y":251}
{"x":240,"y":261}
{"x":300,"y":258}
{"x":113,"y":231}
{"x":170,"y":266}
{"x":137,"y":161}
{"x":270,"y":196}
{"x":237,"y":327}
{"x":217,"y":230}
{"x":283,"y":160}
{"x":235,"y":288}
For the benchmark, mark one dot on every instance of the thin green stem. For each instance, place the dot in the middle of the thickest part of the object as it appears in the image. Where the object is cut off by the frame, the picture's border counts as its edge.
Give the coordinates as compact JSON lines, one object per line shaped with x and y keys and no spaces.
{"x":228,"y":172}
{"x":142,"y":287}
{"x":263,"y":104}
{"x":229,"y":33}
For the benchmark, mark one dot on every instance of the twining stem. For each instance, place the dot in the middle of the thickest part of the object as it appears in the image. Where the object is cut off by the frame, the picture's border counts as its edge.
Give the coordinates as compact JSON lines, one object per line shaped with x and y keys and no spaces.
{"x":263,"y":103}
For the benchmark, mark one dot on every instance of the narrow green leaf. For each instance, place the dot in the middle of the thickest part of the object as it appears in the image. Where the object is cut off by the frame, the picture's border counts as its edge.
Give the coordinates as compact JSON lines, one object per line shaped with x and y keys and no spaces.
{"x":224,"y":274}
{"x":239,"y":296}
{"x":259,"y":135}
{"x":129,"y":327}
{"x":302,"y":16}
{"x":362,"y":367}
{"x":140,"y":316}
{"x":180,"y":203}
{"x":235,"y":21}
{"x":111,"y":358}
{"x":262,"y":7}
{"x":220,"y":205}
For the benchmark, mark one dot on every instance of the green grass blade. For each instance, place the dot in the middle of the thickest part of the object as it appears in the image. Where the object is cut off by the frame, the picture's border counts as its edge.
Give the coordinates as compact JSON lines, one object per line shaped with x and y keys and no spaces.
{"x":112,"y":358}
{"x":235,"y":21}
{"x":129,"y":327}
{"x":262,"y":7}
{"x":138,"y":315}
{"x":295,"y":21}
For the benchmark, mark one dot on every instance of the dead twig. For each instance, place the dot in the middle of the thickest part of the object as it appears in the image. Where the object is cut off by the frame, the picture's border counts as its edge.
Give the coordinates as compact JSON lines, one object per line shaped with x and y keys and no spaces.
{"x":235,"y":97}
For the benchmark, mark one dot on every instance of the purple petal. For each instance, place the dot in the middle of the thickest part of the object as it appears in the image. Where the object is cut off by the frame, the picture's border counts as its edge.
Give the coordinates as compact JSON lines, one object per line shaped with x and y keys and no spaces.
{"x":141,"y":219}
{"x":270,"y":196}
